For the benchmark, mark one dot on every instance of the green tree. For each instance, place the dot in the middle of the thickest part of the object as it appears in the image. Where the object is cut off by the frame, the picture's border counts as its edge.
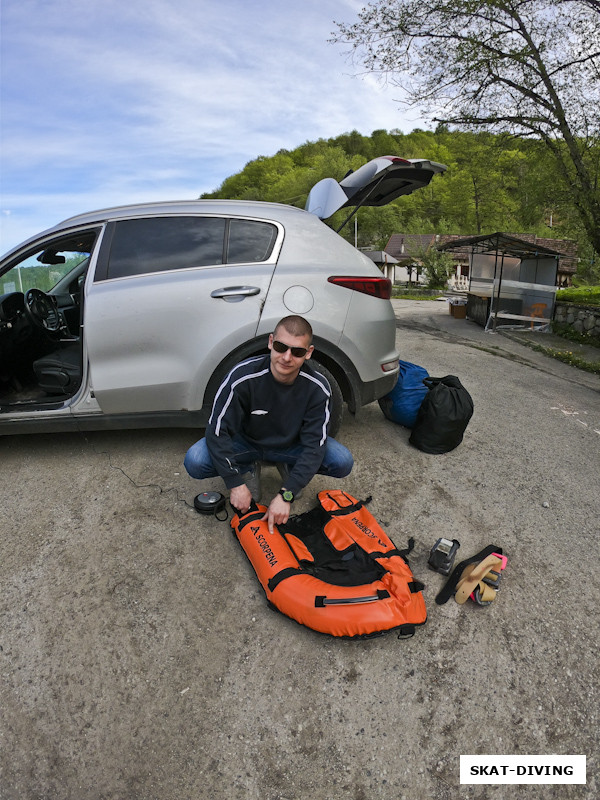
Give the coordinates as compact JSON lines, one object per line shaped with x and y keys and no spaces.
{"x":437,"y":266}
{"x":530,"y":68}
{"x":374,"y":225}
{"x":494,"y":182}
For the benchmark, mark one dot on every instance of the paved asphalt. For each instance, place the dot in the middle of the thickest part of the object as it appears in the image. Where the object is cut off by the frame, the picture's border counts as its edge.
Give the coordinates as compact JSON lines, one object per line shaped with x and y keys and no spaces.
{"x":139,"y":660}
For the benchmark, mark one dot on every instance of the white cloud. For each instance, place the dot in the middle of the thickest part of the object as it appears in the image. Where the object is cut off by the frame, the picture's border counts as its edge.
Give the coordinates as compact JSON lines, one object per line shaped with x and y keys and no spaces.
{"x":107,"y":102}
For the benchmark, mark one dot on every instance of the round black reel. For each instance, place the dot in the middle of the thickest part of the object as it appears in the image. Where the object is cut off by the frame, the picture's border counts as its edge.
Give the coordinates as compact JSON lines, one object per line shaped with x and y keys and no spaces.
{"x":209,"y":503}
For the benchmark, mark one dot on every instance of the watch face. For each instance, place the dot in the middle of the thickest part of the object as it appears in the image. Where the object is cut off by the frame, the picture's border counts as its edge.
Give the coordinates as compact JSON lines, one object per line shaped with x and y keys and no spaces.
{"x":287,"y":496}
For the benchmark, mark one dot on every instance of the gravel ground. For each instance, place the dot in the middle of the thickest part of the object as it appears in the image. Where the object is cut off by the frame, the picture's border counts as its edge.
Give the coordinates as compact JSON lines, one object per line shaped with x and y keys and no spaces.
{"x":139,"y":659}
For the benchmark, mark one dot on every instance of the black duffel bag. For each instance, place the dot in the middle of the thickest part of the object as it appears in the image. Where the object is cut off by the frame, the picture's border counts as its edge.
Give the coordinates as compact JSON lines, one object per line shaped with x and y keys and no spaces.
{"x":443,"y":416}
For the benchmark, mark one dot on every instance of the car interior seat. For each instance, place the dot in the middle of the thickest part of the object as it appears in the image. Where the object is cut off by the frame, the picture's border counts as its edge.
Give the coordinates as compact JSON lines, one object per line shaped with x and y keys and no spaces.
{"x":59,"y":372}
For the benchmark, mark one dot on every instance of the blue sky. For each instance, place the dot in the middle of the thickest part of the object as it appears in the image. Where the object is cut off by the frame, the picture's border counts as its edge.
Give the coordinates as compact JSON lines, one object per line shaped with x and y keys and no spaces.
{"x":108,"y":102}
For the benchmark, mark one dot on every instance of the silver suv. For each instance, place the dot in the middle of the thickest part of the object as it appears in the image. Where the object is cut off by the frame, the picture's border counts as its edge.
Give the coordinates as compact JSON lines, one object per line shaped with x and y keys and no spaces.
{"x":131,"y":316}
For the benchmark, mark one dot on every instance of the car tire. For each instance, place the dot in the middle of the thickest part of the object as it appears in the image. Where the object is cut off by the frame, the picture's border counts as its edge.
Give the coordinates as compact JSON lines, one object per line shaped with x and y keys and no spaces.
{"x":337,"y":401}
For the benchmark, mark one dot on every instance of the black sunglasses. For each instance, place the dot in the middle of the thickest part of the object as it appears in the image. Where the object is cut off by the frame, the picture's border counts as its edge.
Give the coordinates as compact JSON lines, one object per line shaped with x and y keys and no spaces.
{"x":297,"y":352}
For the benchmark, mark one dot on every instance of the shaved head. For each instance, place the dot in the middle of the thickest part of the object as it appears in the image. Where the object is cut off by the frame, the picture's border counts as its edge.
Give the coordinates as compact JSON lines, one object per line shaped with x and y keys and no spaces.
{"x":295,"y":326}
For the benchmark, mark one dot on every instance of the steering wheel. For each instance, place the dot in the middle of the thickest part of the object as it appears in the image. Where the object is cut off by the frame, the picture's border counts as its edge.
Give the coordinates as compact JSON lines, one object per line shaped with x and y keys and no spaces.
{"x":41,"y":311}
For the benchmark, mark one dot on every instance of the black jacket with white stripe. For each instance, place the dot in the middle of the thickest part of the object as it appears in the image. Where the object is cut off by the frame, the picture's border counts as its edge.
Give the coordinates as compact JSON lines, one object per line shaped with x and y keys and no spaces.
{"x":272,"y":416}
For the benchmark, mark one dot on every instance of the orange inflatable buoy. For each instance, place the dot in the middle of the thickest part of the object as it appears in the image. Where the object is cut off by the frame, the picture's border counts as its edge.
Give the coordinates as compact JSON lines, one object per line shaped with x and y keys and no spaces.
{"x":334,"y":569}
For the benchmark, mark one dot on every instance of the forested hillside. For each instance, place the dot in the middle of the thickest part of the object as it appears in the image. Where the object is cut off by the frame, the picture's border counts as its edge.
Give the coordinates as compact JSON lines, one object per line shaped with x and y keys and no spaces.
{"x":493,"y":183}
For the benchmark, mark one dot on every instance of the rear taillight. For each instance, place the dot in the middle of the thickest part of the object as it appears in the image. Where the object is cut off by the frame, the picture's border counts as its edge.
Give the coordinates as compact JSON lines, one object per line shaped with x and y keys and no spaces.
{"x":375,"y":287}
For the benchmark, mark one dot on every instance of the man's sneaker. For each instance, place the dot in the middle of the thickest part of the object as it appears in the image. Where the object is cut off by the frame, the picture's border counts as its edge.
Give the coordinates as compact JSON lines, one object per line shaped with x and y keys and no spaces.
{"x":252,"y":481}
{"x":284,"y":471}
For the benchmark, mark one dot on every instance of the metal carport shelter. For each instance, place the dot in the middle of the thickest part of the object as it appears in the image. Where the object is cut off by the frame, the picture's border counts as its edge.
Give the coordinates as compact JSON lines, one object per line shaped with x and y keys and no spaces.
{"x":512,"y":282}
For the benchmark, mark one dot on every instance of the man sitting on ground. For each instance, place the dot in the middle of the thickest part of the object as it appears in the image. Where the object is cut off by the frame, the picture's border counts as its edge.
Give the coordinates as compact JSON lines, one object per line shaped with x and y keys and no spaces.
{"x":273,"y":408}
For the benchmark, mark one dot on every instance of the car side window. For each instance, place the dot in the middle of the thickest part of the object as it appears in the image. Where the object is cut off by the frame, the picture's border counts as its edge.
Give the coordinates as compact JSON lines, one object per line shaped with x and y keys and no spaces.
{"x":159,"y":244}
{"x":46,"y":266}
{"x":250,"y":241}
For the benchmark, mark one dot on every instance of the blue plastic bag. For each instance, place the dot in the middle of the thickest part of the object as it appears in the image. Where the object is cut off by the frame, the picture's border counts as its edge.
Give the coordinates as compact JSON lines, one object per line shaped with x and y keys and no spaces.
{"x":402,"y":404}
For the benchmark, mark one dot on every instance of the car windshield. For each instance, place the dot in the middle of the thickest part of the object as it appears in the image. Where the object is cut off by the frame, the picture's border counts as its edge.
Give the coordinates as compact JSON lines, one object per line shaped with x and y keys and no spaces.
{"x":44,"y":269}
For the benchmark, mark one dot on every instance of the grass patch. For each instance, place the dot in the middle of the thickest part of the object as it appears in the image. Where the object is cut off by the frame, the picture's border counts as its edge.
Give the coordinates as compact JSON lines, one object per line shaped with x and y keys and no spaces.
{"x":415,"y":296}
{"x":415,"y":293}
{"x":569,"y":358}
{"x":566,"y":332}
{"x":585,"y":295}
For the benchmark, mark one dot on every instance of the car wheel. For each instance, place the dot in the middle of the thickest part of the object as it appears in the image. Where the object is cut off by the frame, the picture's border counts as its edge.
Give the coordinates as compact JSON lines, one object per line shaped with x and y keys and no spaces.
{"x":337,"y":401}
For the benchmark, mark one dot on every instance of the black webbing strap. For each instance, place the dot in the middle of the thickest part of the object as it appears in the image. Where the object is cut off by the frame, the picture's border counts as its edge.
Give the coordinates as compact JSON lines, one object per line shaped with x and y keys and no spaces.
{"x":405,"y":631}
{"x":342,"y":510}
{"x":282,"y":575}
{"x":251,"y":516}
{"x":446,"y":593}
{"x":388,"y":554}
{"x":395,"y":552}
{"x":404,"y":553}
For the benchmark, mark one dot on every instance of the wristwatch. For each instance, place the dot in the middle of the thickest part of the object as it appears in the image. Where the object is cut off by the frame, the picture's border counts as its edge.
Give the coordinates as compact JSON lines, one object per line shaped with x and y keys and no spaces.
{"x":287,"y":495}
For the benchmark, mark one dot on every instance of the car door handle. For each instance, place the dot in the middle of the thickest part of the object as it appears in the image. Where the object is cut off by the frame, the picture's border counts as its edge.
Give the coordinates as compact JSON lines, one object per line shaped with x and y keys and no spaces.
{"x":234,"y":294}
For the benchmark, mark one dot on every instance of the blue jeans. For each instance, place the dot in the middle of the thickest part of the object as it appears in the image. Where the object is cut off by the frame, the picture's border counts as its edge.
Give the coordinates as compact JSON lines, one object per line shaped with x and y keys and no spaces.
{"x":337,"y":460}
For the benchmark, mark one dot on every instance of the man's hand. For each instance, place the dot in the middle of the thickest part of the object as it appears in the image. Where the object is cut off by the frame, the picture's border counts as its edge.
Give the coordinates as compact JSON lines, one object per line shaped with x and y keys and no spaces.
{"x":240,"y":498}
{"x":278,"y":512}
